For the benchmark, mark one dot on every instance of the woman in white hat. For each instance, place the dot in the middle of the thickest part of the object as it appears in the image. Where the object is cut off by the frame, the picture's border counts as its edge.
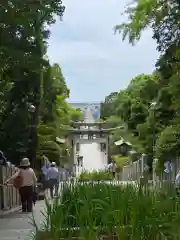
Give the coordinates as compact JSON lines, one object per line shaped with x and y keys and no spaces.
{"x":24,"y":179}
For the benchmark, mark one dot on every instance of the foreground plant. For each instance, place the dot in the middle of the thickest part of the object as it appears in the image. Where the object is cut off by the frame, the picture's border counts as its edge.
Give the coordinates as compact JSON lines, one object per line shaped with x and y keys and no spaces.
{"x":96,"y":176}
{"x":89,"y":211}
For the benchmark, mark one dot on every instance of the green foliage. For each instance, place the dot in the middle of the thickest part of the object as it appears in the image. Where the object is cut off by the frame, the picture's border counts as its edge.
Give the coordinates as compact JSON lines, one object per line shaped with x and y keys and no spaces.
{"x":155,"y":14}
{"x":91,"y":210}
{"x":132,"y":108}
{"x":75,"y":114}
{"x":26,"y":77}
{"x":51,"y":150}
{"x":128,"y":136}
{"x":106,"y":106}
{"x":95,"y":176}
{"x":145,"y":123}
{"x":114,"y":121}
{"x":47,"y":145}
{"x":121,"y":161}
{"x":144,"y":87}
{"x":168,"y":143}
{"x":142,"y":123}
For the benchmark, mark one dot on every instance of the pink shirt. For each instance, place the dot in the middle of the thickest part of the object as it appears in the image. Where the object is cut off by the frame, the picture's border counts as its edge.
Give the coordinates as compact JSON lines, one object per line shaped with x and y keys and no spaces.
{"x":28,"y":175}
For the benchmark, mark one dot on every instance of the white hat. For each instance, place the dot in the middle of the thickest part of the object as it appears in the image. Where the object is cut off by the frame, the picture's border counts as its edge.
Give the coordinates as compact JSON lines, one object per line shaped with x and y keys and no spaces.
{"x":25,"y":162}
{"x":53,"y":164}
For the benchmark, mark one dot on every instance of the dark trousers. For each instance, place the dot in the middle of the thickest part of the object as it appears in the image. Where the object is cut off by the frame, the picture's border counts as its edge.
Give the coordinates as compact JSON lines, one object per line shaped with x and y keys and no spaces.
{"x":53,"y":183}
{"x":26,"y":194}
{"x":178,"y":191}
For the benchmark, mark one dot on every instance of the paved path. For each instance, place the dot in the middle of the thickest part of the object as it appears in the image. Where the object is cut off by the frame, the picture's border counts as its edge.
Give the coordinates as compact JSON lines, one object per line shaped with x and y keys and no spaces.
{"x":17,"y":226}
{"x":93,"y":158}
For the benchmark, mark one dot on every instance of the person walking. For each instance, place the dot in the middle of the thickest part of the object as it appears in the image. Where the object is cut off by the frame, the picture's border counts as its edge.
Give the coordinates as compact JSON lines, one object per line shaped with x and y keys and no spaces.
{"x":53,"y":179}
{"x":177,"y":183}
{"x":3,"y":160}
{"x":112,"y":168}
{"x":24,"y":180}
{"x":45,"y":169}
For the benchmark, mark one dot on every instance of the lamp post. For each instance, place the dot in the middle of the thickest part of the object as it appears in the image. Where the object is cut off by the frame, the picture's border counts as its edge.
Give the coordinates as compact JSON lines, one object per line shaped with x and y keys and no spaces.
{"x":153,"y":107}
{"x":32,"y":135}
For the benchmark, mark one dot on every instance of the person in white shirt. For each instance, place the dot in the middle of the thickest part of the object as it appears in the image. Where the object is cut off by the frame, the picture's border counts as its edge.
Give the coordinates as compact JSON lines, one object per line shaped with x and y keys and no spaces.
{"x":177,"y":183}
{"x":26,"y":189}
{"x":112,"y":168}
{"x":53,"y":179}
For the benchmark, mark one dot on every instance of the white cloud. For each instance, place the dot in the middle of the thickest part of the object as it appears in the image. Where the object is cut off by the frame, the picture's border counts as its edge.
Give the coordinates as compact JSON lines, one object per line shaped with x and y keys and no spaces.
{"x":90,"y":54}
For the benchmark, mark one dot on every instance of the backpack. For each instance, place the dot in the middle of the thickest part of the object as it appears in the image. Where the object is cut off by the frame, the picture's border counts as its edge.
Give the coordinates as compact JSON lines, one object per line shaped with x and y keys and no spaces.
{"x":18,"y":181}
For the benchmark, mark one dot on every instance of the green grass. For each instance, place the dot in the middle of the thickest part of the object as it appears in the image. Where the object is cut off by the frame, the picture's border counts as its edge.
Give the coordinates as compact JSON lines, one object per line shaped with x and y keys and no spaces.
{"x":95,"y":176}
{"x":123,"y":210}
{"x":121,"y":161}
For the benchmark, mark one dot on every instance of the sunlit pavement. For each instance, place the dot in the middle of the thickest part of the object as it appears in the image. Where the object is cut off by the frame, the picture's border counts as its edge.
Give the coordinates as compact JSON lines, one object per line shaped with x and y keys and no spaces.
{"x":18,"y":226}
{"x":93,"y":158}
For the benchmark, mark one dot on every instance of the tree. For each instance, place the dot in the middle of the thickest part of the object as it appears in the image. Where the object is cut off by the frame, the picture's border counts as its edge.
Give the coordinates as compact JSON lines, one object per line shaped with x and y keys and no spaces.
{"x":107,"y":107}
{"x":54,"y":87}
{"x":144,"y":87}
{"x":168,"y":143}
{"x":114,"y":121}
{"x":133,"y":103}
{"x":26,"y":77}
{"x":75,"y":114}
{"x":55,"y":112}
{"x":133,"y":107}
{"x":163,"y":17}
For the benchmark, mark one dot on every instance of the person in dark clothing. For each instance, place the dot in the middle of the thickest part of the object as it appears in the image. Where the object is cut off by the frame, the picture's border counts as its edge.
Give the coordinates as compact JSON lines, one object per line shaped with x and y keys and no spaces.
{"x":3,"y":160}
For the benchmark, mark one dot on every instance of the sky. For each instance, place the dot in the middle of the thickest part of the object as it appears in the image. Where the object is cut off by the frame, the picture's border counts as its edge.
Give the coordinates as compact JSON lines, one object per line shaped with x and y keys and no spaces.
{"x":95,"y":61}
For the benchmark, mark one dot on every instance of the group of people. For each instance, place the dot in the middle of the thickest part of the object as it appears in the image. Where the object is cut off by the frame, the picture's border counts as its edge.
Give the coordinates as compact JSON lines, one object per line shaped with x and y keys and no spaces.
{"x":25,"y":181}
{"x":51,"y":178}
